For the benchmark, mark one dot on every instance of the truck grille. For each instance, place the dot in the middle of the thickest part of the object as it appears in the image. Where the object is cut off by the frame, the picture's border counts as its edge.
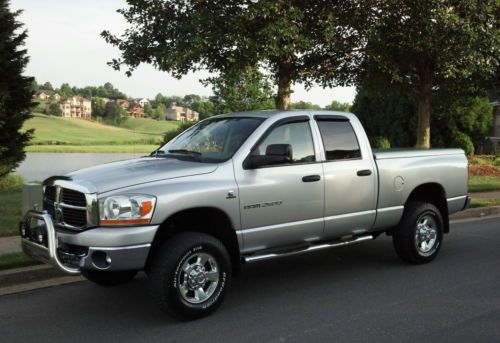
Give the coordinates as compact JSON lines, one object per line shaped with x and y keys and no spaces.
{"x":72,"y":197}
{"x":67,"y":207}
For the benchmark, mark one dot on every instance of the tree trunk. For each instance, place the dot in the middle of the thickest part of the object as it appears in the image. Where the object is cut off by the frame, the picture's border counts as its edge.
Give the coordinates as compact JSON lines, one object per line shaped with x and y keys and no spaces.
{"x":284,"y":77}
{"x":424,"y":107}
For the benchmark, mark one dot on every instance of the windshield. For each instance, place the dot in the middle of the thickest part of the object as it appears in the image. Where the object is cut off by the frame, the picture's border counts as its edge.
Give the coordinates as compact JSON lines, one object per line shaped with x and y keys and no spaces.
{"x":212,"y":140}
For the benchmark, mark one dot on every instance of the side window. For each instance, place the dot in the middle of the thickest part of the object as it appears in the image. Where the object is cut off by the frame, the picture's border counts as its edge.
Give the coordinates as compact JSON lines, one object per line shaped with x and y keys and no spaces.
{"x":339,"y":140}
{"x":297,"y":135}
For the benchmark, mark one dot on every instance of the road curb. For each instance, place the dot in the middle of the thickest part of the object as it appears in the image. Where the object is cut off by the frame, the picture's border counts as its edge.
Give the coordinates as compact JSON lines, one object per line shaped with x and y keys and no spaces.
{"x":478,"y":212}
{"x":28,"y":278}
{"x":41,"y":276}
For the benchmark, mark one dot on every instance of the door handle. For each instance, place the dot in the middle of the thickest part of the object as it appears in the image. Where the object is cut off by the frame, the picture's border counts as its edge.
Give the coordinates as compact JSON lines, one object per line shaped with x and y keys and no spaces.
{"x":364,"y":172}
{"x":311,"y":178}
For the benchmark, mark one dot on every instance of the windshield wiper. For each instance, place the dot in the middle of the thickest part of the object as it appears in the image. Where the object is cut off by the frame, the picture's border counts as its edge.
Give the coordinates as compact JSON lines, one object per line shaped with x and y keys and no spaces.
{"x":184,"y":151}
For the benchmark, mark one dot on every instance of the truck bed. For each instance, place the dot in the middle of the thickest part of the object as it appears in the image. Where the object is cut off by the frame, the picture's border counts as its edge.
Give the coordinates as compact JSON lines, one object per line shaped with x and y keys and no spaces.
{"x":400,"y":171}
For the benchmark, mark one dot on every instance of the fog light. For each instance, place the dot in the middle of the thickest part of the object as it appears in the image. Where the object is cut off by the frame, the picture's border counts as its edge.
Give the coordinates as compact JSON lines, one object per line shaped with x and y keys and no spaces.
{"x":101,"y":260}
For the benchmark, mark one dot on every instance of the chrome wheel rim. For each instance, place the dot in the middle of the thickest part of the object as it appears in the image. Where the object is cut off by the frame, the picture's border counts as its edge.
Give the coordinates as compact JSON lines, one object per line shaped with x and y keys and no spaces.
{"x":426,"y":234}
{"x":198,"y":278}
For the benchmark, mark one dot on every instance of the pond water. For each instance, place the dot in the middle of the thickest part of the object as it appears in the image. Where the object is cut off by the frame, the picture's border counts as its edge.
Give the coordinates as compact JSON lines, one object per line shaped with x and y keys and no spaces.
{"x":39,"y":166}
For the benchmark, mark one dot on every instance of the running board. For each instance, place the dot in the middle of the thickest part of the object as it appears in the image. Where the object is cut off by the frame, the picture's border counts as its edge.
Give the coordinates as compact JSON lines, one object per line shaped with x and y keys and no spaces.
{"x":254,"y":258}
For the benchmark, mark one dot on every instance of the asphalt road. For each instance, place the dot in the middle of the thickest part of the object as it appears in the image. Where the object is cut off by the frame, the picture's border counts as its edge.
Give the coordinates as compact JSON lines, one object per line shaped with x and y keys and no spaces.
{"x":361,"y":293}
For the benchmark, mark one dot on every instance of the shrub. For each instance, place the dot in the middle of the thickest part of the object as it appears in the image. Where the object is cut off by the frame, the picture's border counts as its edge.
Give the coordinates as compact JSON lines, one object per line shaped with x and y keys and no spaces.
{"x":462,"y":141}
{"x":10,"y":181}
{"x":382,"y":143}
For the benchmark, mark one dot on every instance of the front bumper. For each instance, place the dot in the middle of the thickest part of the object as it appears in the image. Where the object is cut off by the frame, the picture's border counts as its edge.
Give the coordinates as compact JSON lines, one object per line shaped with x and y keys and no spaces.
{"x":109,"y":249}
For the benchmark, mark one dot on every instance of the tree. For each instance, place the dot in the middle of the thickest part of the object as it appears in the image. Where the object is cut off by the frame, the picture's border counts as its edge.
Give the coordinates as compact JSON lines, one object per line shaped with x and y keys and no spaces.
{"x":47,"y":86}
{"x":116,"y":115}
{"x":159,"y":112}
{"x":98,"y":107}
{"x":435,"y":42}
{"x":241,"y":91}
{"x":304,"y":105}
{"x":461,"y":117}
{"x":339,"y":106}
{"x":295,"y":41}
{"x":55,"y":109}
{"x":16,"y":90}
{"x":66,"y":90}
{"x":148,"y":111}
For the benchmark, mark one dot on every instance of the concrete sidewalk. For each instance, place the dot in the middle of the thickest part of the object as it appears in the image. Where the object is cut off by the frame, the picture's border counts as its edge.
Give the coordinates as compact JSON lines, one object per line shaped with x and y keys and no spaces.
{"x":486,"y":195}
{"x":9,"y":245}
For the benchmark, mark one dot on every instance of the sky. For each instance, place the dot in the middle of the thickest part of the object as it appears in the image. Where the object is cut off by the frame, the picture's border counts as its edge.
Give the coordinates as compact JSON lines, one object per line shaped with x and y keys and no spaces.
{"x":64,"y":45}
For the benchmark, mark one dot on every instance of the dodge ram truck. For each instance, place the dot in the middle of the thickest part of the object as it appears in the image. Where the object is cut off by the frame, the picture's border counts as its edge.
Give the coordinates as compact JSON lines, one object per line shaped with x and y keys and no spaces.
{"x":239,"y":188}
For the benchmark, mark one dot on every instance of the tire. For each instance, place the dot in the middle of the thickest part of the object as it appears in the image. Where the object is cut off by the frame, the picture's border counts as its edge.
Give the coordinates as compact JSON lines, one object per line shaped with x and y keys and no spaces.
{"x":190,"y":275}
{"x":419,"y":245}
{"x":107,"y":279}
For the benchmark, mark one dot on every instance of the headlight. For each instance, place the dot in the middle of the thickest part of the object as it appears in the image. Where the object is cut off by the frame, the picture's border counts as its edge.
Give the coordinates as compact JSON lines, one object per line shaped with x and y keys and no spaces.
{"x":127,"y":209}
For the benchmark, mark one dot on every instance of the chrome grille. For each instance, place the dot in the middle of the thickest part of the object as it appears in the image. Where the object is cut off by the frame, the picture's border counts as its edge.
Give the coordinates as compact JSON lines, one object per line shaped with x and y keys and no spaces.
{"x":67,"y":207}
{"x":73,"y":198}
{"x":74,"y":217}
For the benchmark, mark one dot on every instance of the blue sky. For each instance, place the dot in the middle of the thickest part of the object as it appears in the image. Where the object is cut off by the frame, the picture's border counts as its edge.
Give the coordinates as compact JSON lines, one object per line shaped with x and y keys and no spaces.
{"x":64,"y":46}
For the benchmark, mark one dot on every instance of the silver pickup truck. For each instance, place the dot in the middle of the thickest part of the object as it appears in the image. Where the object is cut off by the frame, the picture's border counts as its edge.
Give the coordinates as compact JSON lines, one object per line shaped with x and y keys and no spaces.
{"x":239,"y":188}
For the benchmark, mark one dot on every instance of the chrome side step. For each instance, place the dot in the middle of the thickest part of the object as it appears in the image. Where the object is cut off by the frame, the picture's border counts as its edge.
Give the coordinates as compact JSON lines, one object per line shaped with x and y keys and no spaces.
{"x":254,"y":258}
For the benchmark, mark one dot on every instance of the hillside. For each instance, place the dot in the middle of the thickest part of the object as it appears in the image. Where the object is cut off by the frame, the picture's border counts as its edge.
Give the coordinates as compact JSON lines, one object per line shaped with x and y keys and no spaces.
{"x":56,"y":134}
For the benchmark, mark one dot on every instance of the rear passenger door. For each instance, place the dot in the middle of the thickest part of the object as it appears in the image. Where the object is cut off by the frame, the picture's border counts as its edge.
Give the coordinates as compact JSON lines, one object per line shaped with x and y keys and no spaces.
{"x":350,"y":179}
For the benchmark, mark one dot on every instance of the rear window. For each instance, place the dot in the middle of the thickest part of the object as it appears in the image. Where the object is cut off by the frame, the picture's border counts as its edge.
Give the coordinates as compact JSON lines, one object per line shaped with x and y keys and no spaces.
{"x":339,"y":140}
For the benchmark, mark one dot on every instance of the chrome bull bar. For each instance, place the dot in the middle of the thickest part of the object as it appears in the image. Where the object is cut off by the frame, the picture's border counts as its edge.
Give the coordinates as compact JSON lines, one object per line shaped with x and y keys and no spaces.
{"x":39,"y":240}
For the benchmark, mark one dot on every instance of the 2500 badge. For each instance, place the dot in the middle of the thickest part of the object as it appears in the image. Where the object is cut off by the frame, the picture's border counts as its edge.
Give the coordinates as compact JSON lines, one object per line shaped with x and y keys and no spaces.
{"x":263,"y":204}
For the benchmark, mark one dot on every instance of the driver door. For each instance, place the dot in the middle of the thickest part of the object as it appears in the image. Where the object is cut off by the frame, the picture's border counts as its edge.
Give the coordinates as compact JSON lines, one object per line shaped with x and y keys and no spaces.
{"x":282,"y":204}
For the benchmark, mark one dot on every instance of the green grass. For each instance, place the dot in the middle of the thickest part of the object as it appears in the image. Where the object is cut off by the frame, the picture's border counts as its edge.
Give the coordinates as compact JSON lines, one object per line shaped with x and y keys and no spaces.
{"x":50,"y":130}
{"x":141,"y":148}
{"x":484,"y":183}
{"x":480,"y":202}
{"x":150,"y":126}
{"x":11,"y":199}
{"x":15,"y":260}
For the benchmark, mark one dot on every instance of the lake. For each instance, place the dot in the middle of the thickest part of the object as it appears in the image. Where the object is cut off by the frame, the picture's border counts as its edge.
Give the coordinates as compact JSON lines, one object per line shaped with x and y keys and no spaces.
{"x":39,"y":166}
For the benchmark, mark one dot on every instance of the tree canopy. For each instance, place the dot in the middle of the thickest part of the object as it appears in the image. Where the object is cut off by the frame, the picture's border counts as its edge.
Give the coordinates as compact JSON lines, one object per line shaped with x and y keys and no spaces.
{"x":293,"y":40}
{"x":15,"y":90}
{"x":431,"y":44}
{"x":243,"y":91}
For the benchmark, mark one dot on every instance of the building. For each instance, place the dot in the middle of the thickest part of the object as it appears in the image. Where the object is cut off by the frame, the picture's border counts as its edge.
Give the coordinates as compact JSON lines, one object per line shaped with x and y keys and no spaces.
{"x":76,"y":107}
{"x":142,"y":102}
{"x":136,"y":110}
{"x":123,"y":103}
{"x":46,"y":95}
{"x":181,"y":114}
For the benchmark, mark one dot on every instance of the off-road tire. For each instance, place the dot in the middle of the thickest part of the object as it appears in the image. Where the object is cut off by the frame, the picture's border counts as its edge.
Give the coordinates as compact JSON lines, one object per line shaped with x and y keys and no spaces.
{"x":104,"y":278}
{"x":166,"y":274}
{"x":404,"y":236}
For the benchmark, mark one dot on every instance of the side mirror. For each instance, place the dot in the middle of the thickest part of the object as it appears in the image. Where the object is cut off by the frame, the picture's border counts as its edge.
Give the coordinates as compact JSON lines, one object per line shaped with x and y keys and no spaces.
{"x":275,"y":154}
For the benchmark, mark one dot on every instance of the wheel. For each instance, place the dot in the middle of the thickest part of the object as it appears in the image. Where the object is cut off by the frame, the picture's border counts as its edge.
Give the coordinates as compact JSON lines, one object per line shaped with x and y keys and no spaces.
{"x":419,"y":235}
{"x":190,"y":275}
{"x":104,"y":278}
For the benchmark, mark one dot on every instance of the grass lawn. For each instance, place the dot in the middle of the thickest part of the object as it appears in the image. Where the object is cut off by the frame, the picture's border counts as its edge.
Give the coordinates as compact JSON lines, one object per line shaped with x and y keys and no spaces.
{"x":16,"y":260}
{"x":484,"y":183}
{"x":50,"y":130}
{"x":10,"y":210}
{"x":140,"y":148}
{"x":147,"y":125}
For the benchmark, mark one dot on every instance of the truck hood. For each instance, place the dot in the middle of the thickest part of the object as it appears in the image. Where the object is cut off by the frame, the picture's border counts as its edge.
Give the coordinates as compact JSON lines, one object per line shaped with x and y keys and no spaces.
{"x":115,"y":175}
